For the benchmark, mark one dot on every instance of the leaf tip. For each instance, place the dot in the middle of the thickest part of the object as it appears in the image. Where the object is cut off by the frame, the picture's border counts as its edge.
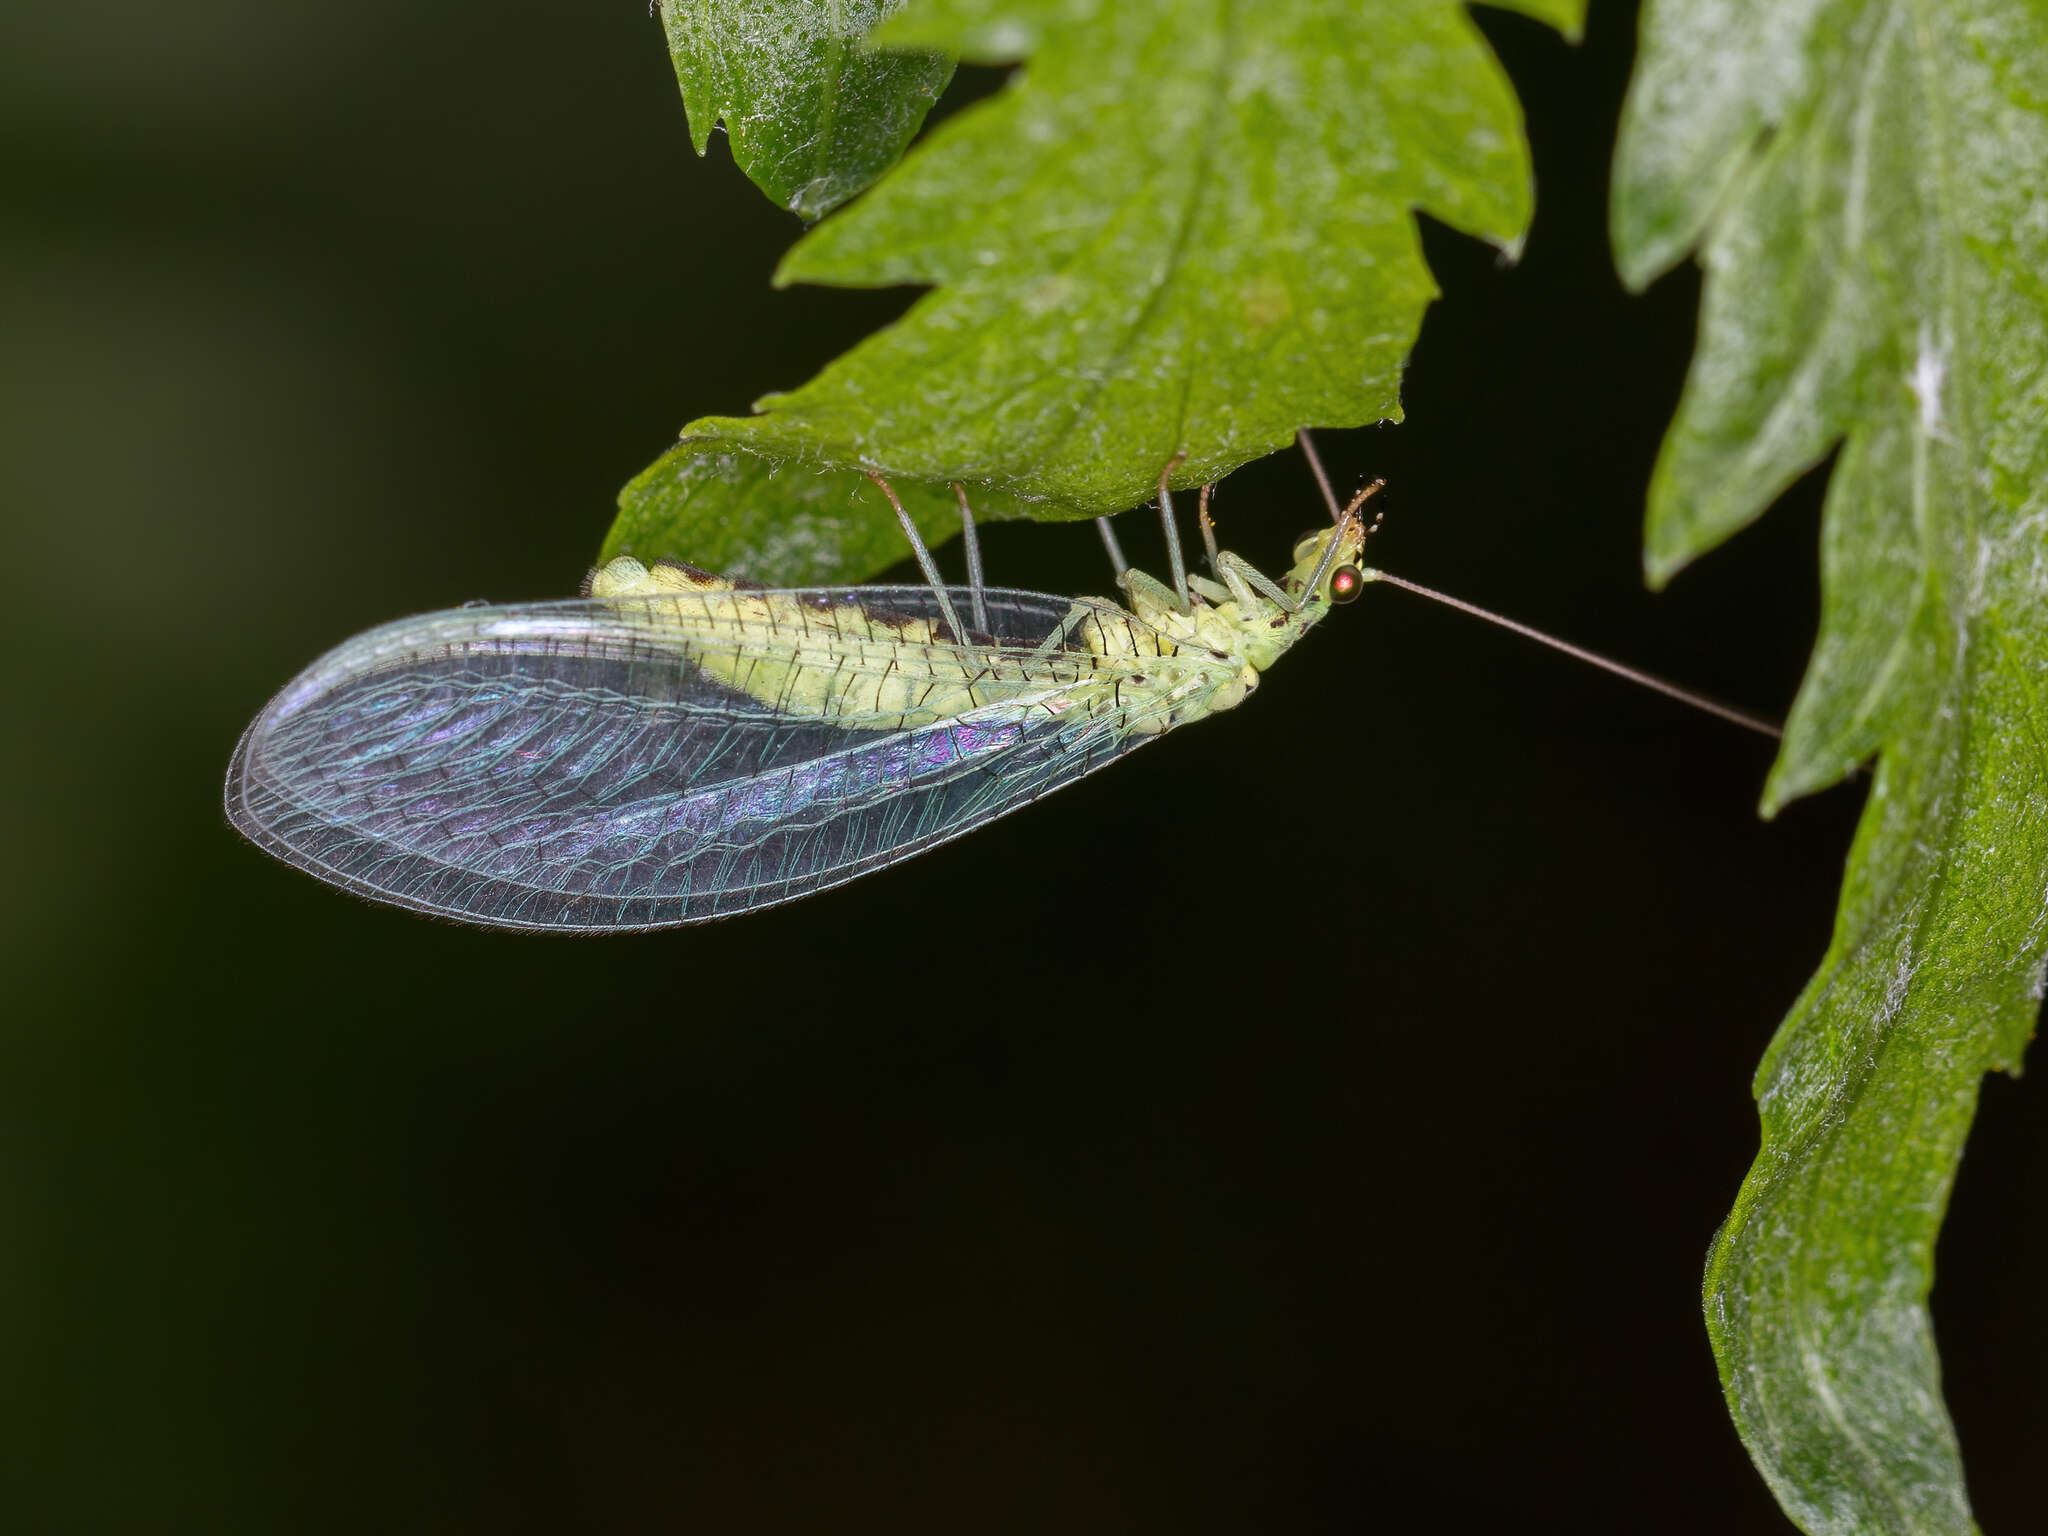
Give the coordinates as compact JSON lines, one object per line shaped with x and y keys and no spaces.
{"x":1677,"y":529}
{"x":1660,"y":565}
{"x":1637,"y":268}
{"x":1643,"y":249}
{"x":1805,"y":766}
{"x":1650,"y":227}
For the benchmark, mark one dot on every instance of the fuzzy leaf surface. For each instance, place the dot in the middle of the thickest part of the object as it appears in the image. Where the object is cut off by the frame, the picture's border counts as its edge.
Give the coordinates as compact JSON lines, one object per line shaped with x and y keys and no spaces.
{"x":1187,"y":227}
{"x":814,"y":116}
{"x":1866,"y":183}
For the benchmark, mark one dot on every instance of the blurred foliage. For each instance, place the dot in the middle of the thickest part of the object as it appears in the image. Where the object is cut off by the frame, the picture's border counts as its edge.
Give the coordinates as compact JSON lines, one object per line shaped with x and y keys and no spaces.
{"x":1863,"y":183}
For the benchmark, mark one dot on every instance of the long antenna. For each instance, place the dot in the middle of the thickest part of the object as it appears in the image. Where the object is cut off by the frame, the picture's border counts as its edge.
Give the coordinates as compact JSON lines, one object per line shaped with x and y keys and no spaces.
{"x":1635,"y":675}
{"x":1726,"y":712}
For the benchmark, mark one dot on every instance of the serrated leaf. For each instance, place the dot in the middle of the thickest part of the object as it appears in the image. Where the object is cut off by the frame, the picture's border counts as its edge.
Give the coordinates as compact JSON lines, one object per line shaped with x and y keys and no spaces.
{"x":1183,"y":229}
{"x":1864,"y":179}
{"x":740,"y":514}
{"x":814,"y":116}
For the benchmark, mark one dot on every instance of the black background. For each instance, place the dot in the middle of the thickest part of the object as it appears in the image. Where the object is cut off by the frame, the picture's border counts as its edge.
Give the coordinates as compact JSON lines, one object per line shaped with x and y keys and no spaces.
{"x":1320,"y":1116}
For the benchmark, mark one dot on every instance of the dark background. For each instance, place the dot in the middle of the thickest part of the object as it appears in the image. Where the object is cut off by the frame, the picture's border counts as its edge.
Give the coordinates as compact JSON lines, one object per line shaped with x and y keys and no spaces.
{"x":1321,"y":1114}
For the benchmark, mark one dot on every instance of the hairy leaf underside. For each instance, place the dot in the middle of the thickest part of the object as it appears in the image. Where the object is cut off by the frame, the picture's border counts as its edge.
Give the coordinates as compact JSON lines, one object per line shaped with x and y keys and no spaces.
{"x":753,"y":515}
{"x":1866,"y":183}
{"x":1186,"y":228}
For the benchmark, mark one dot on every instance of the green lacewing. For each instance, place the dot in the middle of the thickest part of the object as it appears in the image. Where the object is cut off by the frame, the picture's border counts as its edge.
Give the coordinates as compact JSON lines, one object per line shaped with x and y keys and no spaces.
{"x":675,"y":746}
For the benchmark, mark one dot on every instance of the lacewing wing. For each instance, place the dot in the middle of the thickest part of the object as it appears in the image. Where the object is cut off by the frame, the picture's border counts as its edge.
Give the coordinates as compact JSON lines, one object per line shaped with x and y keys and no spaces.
{"x":596,"y":765}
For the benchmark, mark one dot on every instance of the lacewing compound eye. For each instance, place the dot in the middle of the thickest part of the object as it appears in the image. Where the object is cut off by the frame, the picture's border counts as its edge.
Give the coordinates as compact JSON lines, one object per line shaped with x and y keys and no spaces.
{"x":1346,"y":582}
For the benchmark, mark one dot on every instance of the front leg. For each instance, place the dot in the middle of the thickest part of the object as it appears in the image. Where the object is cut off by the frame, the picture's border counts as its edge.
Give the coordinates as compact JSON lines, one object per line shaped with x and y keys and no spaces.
{"x":1244,"y":578}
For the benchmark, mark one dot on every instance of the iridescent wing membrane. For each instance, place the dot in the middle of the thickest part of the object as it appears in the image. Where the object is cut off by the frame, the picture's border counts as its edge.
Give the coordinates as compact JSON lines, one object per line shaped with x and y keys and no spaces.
{"x":603,"y":764}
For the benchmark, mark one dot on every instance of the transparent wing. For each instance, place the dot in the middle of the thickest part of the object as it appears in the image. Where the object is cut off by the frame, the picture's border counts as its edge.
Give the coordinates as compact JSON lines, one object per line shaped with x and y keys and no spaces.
{"x":581,"y":766}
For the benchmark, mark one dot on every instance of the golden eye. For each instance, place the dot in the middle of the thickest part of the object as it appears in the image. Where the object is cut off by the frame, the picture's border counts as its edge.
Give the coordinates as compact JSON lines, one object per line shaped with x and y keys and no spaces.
{"x":1346,"y":582}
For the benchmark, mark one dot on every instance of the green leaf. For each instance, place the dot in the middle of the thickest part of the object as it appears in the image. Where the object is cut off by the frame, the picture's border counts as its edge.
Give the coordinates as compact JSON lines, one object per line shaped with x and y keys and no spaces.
{"x":1187,"y":228}
{"x":741,"y":514}
{"x":813,"y":115}
{"x":1863,"y":181}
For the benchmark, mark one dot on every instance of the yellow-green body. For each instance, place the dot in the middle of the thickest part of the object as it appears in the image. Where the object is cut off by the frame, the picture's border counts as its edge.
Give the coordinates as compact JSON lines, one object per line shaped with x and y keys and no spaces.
{"x":831,"y":655}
